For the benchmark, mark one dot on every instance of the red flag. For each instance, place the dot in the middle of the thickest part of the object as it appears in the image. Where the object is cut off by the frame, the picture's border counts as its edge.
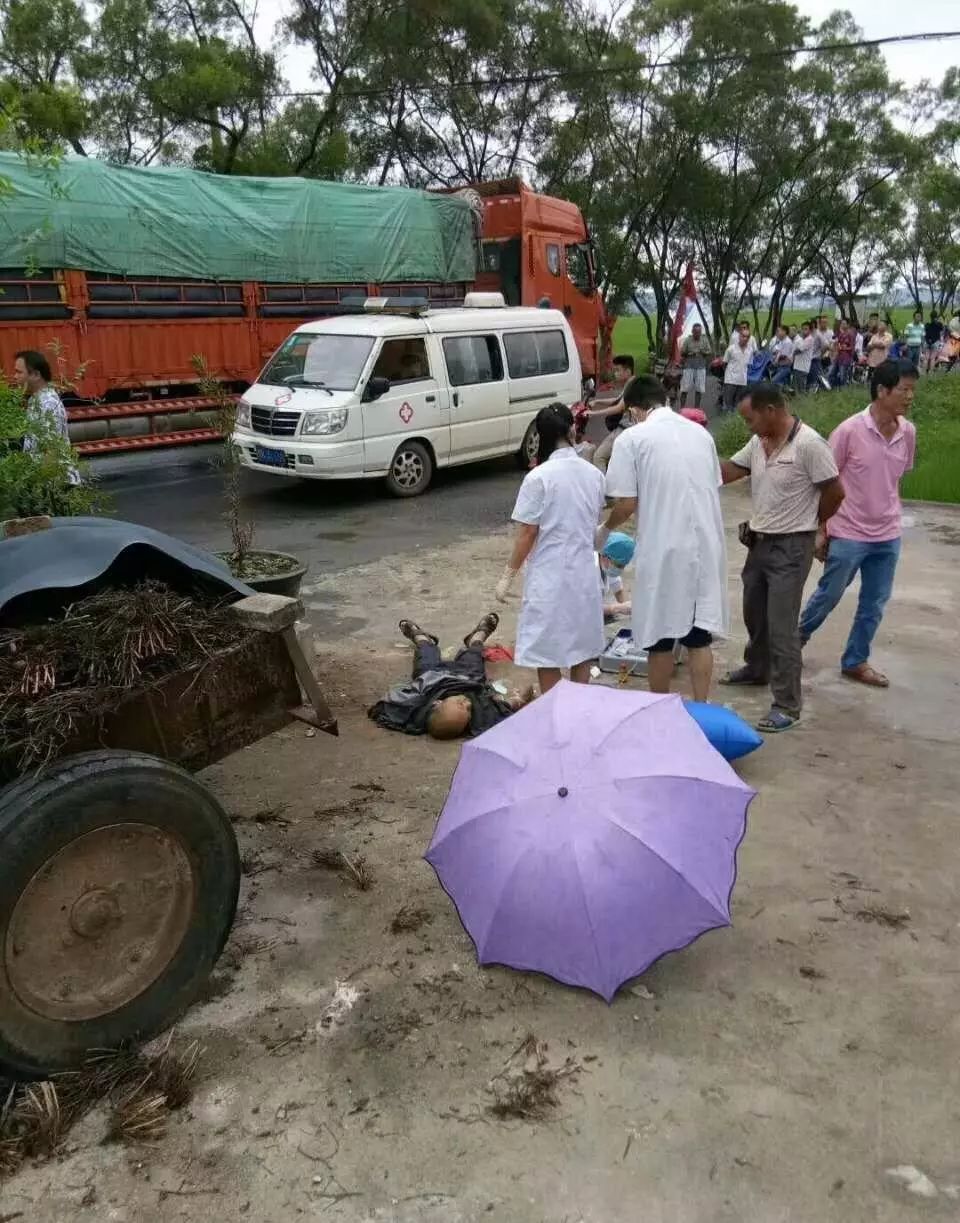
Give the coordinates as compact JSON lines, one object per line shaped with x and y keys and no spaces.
{"x":688,"y":295}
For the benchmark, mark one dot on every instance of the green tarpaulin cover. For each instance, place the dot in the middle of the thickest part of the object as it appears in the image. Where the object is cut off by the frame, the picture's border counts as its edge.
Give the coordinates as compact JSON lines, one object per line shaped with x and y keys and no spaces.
{"x":183,"y":223}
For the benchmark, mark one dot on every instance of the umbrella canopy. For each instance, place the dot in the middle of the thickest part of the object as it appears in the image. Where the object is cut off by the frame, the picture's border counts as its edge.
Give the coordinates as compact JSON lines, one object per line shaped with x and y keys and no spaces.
{"x":589,"y":834}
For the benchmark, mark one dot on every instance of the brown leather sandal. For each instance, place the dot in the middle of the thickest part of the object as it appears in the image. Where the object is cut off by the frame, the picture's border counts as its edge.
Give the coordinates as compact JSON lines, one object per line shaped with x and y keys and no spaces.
{"x":484,"y":629}
{"x":865,"y":674}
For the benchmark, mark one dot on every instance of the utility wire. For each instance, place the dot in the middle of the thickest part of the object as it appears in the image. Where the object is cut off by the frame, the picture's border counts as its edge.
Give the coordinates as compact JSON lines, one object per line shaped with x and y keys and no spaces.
{"x":679,"y":61}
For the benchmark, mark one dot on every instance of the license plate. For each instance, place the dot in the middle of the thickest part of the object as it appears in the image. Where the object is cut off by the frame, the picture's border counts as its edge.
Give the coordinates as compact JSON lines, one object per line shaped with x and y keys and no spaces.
{"x":270,"y":457}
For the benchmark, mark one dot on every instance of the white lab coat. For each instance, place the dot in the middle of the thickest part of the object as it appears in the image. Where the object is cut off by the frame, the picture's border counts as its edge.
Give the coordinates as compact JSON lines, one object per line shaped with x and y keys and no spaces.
{"x":670,"y":465}
{"x":561,"y":617}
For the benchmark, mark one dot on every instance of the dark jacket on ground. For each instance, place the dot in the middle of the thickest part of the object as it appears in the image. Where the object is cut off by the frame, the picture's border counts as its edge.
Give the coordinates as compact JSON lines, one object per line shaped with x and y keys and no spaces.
{"x":407,"y":706}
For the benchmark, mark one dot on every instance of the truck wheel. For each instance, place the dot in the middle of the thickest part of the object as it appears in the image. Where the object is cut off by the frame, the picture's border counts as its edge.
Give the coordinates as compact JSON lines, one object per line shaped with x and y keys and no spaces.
{"x":118,"y":886}
{"x":527,"y":454}
{"x":411,"y":470}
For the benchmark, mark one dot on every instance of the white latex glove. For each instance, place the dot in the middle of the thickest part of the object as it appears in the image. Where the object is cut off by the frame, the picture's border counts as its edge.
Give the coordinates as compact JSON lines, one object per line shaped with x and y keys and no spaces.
{"x":600,"y":539}
{"x":503,"y":586}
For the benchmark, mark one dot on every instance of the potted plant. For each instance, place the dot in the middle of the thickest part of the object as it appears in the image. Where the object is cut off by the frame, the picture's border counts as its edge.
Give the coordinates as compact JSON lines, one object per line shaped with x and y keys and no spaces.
{"x":263,"y":570}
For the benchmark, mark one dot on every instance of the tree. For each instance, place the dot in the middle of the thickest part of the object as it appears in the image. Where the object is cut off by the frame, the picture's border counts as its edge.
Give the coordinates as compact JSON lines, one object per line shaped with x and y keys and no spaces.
{"x":41,"y":92}
{"x":433,"y":91}
{"x":926,"y":254}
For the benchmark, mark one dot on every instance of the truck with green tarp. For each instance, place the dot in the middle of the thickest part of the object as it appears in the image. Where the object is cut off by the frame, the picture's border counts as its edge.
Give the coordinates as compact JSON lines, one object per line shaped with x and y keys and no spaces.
{"x":123,"y":275}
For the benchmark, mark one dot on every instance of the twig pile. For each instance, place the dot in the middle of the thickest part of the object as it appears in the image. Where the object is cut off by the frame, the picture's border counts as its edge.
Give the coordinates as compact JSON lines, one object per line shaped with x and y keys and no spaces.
{"x":526,"y":1088}
{"x":140,"y":1090}
{"x":68,"y":673}
{"x":354,"y":868}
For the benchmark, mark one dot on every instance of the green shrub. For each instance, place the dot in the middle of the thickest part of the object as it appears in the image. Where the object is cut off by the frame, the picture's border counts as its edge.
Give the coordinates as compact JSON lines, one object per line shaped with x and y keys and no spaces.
{"x":37,"y":481}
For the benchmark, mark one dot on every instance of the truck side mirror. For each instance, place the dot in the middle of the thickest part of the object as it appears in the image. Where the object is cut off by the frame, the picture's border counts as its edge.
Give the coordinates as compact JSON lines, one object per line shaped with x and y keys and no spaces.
{"x":376,"y":386}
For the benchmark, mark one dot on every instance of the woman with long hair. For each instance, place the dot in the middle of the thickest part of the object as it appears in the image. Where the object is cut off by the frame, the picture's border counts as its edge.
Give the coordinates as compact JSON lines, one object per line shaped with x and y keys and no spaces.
{"x":557,"y":512}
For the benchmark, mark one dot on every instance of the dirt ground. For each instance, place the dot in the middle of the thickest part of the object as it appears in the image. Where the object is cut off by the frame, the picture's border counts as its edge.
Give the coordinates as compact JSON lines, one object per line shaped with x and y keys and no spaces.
{"x":775,"y":1071}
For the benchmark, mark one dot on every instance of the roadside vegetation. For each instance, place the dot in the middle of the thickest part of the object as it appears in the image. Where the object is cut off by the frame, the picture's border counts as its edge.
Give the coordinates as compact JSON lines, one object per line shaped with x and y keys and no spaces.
{"x":936,"y":413}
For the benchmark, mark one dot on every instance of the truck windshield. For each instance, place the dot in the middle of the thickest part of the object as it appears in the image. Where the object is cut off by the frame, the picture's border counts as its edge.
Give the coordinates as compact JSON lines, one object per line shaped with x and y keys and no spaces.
{"x":322,"y":359}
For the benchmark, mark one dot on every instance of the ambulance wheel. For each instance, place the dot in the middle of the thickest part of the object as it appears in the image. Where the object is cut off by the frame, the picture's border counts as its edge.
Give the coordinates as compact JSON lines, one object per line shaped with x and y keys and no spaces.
{"x":411,"y":470}
{"x":527,"y":454}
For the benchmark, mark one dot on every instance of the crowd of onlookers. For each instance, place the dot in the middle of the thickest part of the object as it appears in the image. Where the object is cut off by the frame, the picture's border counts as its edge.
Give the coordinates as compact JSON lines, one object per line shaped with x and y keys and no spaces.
{"x":816,"y":355}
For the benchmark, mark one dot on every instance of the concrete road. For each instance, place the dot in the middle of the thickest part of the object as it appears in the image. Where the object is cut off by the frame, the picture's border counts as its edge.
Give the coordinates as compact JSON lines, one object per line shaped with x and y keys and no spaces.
{"x":800,"y":1067}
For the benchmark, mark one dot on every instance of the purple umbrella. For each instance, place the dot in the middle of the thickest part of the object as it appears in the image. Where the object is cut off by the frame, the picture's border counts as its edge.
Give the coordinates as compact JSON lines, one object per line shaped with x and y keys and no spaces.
{"x":589,"y":834}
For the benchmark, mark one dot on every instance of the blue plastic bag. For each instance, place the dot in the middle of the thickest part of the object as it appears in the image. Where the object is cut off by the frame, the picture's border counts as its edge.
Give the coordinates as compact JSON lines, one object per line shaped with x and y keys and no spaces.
{"x":725,"y":730}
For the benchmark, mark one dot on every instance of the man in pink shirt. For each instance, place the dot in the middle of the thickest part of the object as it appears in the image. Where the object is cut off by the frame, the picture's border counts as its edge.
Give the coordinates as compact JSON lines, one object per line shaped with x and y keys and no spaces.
{"x":872,"y":449}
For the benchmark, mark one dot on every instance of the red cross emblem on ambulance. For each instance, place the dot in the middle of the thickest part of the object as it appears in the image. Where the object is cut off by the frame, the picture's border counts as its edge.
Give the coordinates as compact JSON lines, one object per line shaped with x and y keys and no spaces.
{"x":406,"y":413}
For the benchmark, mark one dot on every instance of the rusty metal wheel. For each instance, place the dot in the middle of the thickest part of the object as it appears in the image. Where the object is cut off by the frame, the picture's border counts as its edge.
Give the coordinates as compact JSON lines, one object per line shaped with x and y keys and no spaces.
{"x":118,"y":886}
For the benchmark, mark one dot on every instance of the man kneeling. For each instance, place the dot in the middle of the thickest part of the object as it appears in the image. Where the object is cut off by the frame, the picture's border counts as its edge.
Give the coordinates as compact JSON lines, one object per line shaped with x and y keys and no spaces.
{"x":447,"y":699}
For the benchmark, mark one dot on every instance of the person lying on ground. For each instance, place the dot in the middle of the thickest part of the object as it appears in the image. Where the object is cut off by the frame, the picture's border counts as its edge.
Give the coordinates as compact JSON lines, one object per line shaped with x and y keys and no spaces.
{"x":447,"y":699}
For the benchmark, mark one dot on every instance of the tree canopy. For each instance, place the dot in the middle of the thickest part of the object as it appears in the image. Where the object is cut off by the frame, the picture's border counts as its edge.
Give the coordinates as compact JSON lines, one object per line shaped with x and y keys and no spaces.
{"x":685,"y":129}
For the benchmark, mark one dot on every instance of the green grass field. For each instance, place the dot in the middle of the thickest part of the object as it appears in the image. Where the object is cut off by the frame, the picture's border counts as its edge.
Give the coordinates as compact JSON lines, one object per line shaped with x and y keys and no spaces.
{"x":630,"y":335}
{"x":936,"y":413}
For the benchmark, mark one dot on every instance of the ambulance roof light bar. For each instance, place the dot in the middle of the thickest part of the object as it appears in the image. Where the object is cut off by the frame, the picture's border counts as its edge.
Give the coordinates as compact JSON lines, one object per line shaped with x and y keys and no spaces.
{"x":413,"y":306}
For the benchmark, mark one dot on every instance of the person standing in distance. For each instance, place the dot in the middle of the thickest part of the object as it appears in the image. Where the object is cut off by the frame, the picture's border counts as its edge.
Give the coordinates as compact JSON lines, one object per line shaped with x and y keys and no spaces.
{"x":665,"y":470}
{"x":802,"y":358}
{"x":557,"y":511}
{"x":737,"y":358}
{"x":695,"y":353}
{"x":822,"y":344}
{"x":873,"y":450}
{"x":795,"y":488}
{"x":31,"y":371}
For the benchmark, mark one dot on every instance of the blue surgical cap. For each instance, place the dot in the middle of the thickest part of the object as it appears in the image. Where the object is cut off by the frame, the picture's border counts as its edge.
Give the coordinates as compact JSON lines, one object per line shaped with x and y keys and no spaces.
{"x":619,"y":549}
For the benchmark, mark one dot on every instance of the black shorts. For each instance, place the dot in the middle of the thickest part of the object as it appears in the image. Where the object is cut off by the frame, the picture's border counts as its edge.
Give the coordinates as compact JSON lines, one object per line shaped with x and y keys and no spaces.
{"x":696,"y":639}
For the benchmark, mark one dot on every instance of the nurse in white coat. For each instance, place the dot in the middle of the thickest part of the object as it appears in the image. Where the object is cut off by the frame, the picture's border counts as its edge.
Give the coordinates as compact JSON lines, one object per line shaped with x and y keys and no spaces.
{"x":557,"y":511}
{"x":666,"y":471}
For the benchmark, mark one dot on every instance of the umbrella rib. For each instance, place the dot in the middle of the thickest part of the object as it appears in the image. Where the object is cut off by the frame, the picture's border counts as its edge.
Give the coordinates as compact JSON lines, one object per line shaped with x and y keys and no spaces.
{"x":669,"y":865}
{"x":494,"y":909}
{"x":626,"y":721}
{"x":586,"y":908}
{"x":703,"y":781}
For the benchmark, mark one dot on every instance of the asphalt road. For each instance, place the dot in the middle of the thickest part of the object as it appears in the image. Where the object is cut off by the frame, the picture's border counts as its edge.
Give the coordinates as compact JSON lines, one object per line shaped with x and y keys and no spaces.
{"x":329,"y":524}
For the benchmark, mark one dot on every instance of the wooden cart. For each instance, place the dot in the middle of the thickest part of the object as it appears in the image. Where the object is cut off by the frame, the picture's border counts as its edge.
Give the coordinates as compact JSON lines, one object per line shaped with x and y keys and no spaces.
{"x":119,"y":871}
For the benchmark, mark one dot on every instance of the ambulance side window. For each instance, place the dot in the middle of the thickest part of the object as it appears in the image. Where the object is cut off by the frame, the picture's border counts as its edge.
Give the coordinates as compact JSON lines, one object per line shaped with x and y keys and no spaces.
{"x":403,"y":361}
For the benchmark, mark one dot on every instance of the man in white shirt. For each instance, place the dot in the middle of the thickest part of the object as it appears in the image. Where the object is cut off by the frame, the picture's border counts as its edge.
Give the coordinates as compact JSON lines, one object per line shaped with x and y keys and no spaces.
{"x":802,"y":357}
{"x":795,"y":488}
{"x":666,"y":471}
{"x":737,"y":357}
{"x":782,"y":356}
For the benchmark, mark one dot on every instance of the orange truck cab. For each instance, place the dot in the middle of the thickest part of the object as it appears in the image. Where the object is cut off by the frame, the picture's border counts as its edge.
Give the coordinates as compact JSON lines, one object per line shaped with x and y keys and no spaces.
{"x":536,"y":250}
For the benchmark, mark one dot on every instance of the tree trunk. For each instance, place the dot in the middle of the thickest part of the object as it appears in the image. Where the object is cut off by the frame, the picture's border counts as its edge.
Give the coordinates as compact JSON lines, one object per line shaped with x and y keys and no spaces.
{"x":641,"y":310}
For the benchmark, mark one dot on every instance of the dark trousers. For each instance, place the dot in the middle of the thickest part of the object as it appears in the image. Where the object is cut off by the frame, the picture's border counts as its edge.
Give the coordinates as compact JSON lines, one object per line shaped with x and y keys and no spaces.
{"x":468,"y":662}
{"x":773,"y":577}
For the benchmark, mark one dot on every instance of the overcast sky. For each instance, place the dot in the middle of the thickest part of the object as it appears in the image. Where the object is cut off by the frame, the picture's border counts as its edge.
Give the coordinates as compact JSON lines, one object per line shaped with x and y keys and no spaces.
{"x":911,"y":62}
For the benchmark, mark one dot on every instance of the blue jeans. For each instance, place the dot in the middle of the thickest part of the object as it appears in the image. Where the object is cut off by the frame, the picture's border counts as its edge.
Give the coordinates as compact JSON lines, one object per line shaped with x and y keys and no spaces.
{"x":782,"y":374}
{"x":876,"y":563}
{"x":840,"y":374}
